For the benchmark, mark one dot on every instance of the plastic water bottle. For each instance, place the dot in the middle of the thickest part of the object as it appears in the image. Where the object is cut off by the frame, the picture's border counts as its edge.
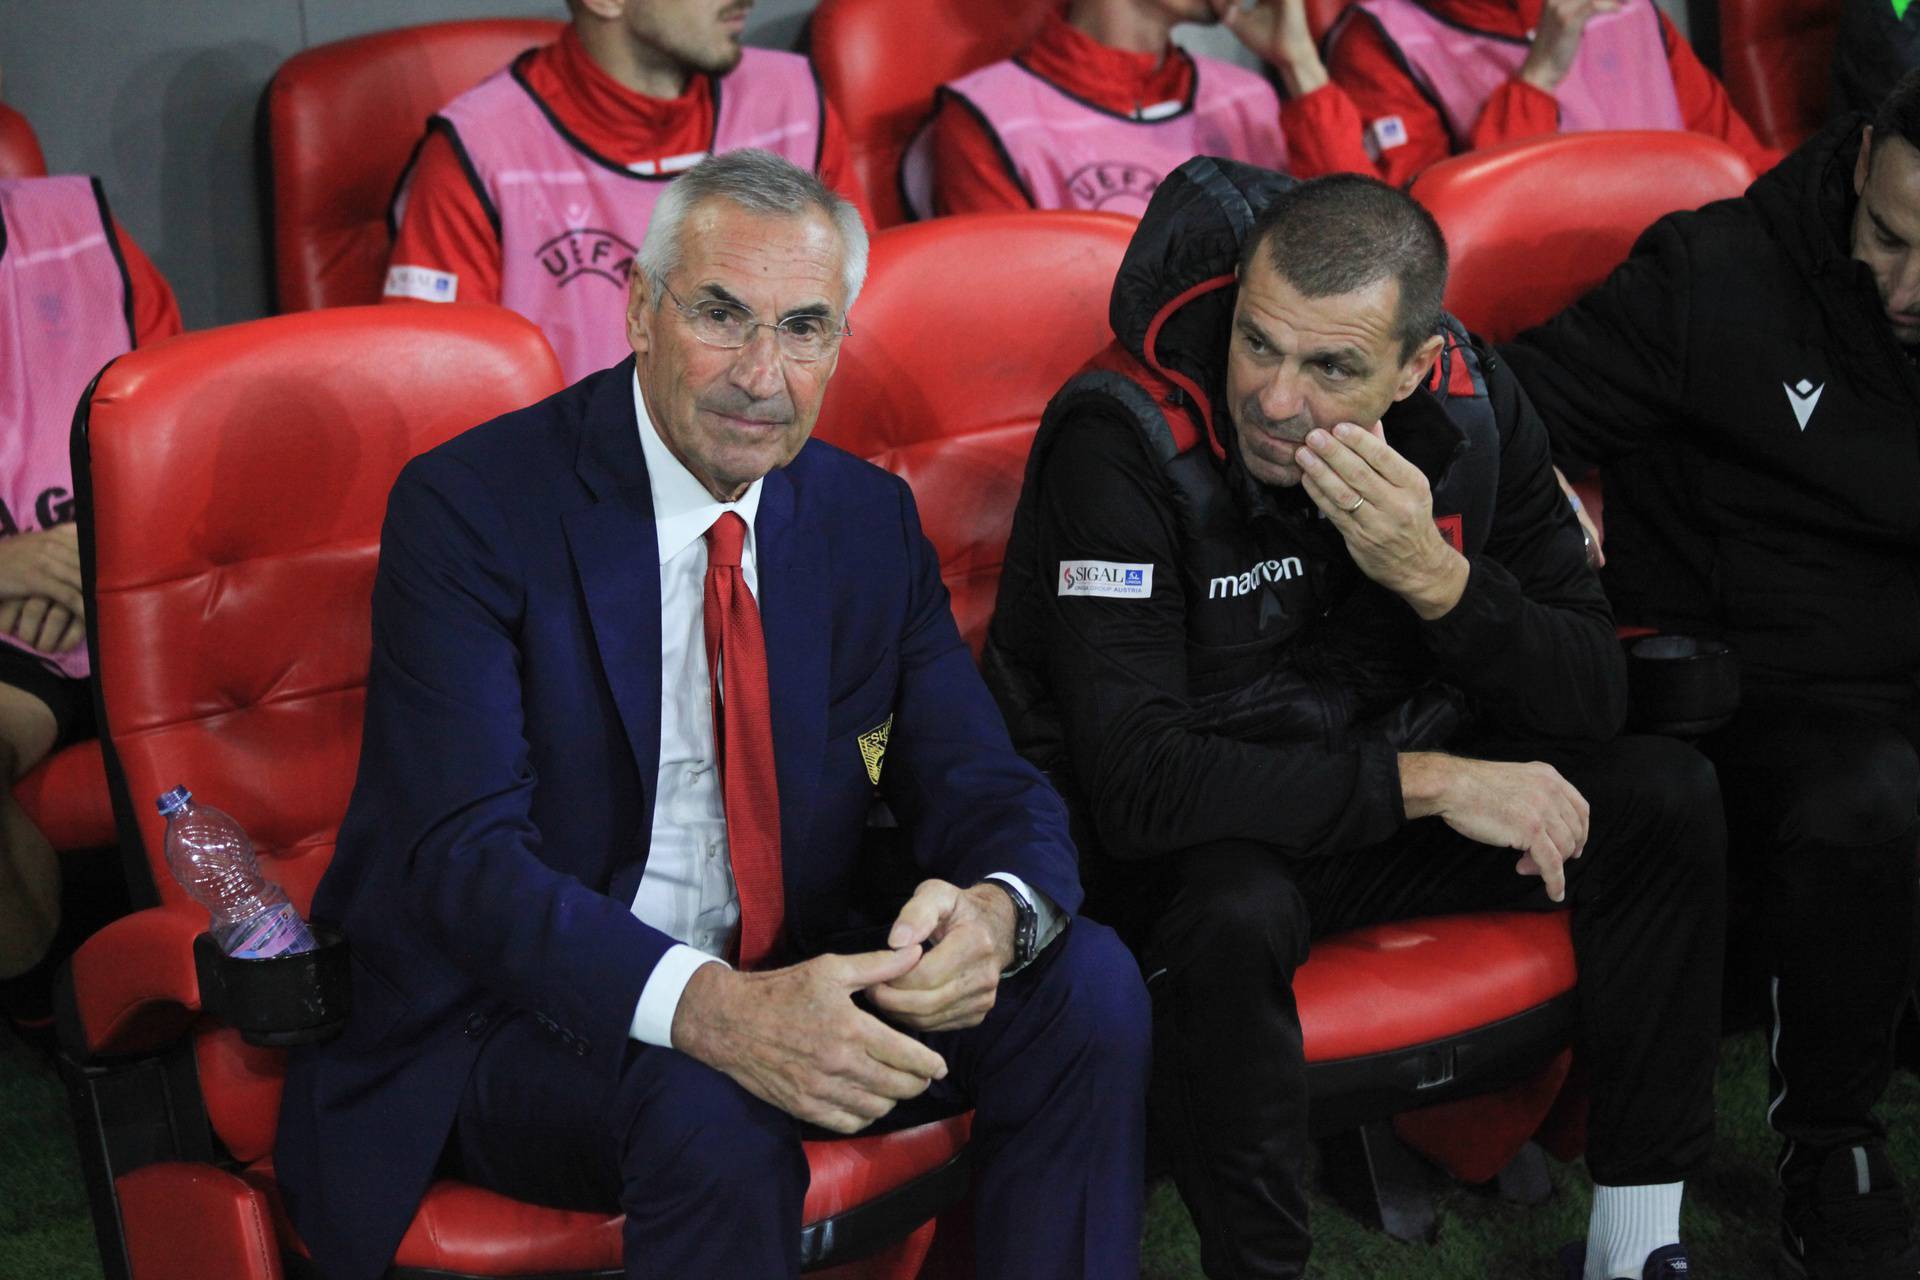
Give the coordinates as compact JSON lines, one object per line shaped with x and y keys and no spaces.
{"x":213,"y":860}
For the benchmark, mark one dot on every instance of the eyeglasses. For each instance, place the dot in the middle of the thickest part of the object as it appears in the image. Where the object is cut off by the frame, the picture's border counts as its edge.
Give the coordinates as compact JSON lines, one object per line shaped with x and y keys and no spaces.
{"x":730,"y":326}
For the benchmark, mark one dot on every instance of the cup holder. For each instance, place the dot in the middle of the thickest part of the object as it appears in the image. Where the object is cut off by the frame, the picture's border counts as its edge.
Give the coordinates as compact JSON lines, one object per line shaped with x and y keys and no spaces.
{"x":1682,"y":686}
{"x":281,"y":1000}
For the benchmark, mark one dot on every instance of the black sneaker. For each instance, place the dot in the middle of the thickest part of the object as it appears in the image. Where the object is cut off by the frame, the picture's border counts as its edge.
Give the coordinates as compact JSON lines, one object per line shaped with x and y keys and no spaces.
{"x":1668,"y":1262}
{"x":1850,"y":1222}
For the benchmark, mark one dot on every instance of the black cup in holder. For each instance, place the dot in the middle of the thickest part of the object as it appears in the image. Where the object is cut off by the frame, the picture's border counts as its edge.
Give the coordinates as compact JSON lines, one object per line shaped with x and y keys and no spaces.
{"x":1683,"y":686}
{"x":281,"y":1000}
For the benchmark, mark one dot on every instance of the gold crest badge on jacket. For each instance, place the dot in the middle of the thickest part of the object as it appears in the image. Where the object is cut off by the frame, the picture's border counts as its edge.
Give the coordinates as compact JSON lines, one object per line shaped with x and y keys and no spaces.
{"x":873,"y":748}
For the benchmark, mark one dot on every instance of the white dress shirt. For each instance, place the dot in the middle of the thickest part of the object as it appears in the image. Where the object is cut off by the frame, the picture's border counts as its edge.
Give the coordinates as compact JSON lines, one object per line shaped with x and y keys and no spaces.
{"x":687,"y":889}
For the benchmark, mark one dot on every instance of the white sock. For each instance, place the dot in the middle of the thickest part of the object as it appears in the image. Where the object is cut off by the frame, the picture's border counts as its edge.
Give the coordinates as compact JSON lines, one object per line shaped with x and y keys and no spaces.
{"x":1628,"y":1223}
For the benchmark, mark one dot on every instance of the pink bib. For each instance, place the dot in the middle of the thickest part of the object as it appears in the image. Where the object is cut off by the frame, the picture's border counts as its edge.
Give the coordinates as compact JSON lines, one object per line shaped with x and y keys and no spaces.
{"x":1070,"y":154}
{"x":1620,"y":80}
{"x":570,"y":221}
{"x":64,"y":303}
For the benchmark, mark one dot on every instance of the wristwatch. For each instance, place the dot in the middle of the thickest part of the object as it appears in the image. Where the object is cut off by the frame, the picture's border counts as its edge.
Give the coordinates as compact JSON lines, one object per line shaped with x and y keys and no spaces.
{"x":1026,"y":928}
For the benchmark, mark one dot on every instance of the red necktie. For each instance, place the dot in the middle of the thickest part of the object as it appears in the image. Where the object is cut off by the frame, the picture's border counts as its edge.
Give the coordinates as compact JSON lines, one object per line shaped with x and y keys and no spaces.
{"x":743,"y":740}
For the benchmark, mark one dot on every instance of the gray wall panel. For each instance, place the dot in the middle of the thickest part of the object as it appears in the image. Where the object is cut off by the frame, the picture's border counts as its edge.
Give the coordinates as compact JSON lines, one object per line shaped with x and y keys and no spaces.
{"x":157,"y":99}
{"x":329,"y":20}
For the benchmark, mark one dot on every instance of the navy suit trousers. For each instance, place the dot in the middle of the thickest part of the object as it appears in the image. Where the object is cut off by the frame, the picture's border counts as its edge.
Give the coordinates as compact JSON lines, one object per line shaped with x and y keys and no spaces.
{"x":712,"y":1178}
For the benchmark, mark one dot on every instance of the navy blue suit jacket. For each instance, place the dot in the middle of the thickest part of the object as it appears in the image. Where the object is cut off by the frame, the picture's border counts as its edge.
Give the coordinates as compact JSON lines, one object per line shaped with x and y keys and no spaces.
{"x":504,"y":801}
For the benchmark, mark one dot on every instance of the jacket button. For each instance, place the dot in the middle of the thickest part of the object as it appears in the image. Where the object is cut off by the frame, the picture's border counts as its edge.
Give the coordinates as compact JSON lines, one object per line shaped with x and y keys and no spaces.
{"x":476,"y":1023}
{"x":580,"y":1047}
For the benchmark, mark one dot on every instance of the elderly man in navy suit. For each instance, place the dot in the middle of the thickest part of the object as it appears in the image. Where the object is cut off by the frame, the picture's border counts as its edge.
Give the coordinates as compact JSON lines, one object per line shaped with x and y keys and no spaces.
{"x":642,"y":657}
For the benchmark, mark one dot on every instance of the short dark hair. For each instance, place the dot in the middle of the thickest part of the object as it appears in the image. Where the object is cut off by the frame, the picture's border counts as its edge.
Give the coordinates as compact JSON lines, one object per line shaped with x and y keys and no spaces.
{"x":1343,"y":232}
{"x":1899,"y":114}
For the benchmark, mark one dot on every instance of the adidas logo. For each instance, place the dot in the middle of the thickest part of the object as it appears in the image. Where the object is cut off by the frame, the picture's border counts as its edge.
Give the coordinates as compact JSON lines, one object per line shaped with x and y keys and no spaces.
{"x":1803,"y":396}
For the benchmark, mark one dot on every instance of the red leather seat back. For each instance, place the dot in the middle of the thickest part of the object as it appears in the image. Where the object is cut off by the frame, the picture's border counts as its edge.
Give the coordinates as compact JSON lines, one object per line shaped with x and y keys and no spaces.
{"x":881,"y":60}
{"x":1776,"y":58}
{"x":967,"y":327}
{"x":342,"y":120}
{"x":20,"y":155}
{"x":1533,"y":225}
{"x":237,"y":479}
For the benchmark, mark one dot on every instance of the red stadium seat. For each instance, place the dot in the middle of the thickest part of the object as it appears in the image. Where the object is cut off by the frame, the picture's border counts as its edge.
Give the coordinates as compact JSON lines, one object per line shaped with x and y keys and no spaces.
{"x":967,"y":328}
{"x":1533,"y":225}
{"x":231,"y":605}
{"x":881,"y":60}
{"x":66,"y":797}
{"x":342,"y":121}
{"x":933,"y":387}
{"x":1776,"y":58}
{"x":19,"y":150}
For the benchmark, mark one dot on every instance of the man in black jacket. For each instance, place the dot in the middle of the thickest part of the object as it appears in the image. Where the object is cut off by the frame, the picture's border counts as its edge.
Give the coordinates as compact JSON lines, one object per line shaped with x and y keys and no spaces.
{"x":1746,"y":382}
{"x":1299,"y":675}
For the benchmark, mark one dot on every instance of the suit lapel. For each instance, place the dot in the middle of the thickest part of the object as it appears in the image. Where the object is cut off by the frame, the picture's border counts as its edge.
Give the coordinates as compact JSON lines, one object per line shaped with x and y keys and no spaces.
{"x":795,"y":616}
{"x":616,"y":557}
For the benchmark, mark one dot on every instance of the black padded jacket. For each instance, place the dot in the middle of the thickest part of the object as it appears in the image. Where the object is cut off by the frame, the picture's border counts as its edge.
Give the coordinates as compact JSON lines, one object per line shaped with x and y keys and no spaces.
{"x":1193,"y":656}
{"x":1756,"y":426}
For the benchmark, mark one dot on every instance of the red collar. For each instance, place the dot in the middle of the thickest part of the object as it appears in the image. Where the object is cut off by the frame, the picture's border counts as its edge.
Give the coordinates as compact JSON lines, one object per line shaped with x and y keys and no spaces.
{"x":1119,"y":81}
{"x":619,"y":123}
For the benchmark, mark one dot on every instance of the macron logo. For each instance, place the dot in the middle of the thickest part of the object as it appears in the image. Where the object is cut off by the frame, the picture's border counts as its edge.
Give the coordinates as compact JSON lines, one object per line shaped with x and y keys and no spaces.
{"x":1803,"y":397}
{"x":1232,"y":585}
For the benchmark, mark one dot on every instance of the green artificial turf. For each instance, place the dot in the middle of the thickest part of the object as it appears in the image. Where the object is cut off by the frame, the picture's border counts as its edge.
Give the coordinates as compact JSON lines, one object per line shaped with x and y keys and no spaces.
{"x":1728,"y":1221}
{"x":45,"y":1233}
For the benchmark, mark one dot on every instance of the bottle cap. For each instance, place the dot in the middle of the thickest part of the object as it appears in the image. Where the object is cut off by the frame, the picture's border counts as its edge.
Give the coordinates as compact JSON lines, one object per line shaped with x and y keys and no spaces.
{"x":173,"y":801}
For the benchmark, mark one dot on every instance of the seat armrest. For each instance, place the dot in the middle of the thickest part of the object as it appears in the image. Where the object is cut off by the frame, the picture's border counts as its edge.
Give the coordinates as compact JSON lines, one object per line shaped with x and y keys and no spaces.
{"x":131,"y":987}
{"x":186,"y":1221}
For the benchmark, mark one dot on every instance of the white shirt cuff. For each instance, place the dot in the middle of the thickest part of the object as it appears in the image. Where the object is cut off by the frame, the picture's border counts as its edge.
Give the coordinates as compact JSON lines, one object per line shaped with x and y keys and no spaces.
{"x":653,"y":1016}
{"x":1047,"y":918}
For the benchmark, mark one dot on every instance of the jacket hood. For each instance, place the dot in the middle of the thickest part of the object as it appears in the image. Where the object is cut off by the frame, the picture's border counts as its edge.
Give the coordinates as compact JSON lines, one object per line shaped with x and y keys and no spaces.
{"x":1172,"y":310}
{"x":1172,"y":303}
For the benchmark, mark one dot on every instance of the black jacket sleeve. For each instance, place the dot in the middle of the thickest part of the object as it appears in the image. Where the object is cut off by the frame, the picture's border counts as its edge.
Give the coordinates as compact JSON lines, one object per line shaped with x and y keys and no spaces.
{"x":1156,"y":780}
{"x":1608,"y":372}
{"x":1531,"y":640}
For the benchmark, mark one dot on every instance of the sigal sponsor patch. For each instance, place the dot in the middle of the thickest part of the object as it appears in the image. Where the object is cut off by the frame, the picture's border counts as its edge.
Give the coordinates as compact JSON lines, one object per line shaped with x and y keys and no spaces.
{"x":1105,"y":578}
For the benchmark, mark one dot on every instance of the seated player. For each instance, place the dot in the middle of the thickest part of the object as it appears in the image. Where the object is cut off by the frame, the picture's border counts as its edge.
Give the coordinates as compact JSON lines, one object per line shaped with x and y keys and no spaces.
{"x":1434,"y":78}
{"x":533,"y":188}
{"x":643,"y":658}
{"x":75,"y":292}
{"x":1746,"y":383}
{"x":1102,"y":105}
{"x":1296,"y":616}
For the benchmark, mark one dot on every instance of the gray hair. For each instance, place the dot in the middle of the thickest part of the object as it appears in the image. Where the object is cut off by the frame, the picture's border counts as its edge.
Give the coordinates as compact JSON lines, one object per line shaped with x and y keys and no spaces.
{"x":759,"y":182}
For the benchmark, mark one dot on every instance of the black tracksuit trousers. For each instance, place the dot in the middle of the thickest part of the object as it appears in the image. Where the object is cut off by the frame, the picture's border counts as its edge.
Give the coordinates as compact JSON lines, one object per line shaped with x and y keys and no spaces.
{"x":1822,"y":785}
{"x":1648,"y":898}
